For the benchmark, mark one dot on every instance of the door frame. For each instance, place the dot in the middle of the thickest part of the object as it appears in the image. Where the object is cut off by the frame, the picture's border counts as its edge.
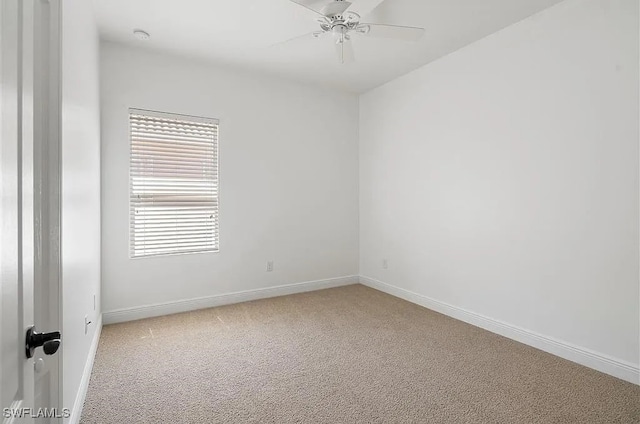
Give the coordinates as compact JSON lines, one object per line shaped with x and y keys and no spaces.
{"x":48,"y":184}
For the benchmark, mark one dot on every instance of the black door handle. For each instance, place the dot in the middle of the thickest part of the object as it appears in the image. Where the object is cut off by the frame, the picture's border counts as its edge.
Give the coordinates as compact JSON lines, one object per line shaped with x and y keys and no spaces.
{"x":50,"y":342}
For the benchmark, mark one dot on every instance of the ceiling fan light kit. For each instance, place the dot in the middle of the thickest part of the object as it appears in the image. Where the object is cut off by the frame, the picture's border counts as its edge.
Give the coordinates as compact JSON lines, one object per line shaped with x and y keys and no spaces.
{"x":336,"y":19}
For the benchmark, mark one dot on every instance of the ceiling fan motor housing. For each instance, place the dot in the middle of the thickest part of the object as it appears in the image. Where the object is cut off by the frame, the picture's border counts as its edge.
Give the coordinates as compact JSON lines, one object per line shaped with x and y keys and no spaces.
{"x":340,"y":24}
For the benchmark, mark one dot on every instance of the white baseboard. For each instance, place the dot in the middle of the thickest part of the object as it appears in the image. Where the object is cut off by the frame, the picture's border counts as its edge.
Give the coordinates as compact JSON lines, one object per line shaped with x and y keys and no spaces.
{"x":598,"y":361}
{"x":76,"y":411}
{"x":148,"y":311}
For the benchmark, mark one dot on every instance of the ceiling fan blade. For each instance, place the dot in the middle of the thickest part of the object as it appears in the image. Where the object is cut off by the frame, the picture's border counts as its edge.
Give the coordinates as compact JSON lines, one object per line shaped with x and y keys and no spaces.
{"x":344,"y":51}
{"x":309,"y":35}
{"x":397,"y":32}
{"x":335,"y":8}
{"x":299,"y":3}
{"x":364,"y":7}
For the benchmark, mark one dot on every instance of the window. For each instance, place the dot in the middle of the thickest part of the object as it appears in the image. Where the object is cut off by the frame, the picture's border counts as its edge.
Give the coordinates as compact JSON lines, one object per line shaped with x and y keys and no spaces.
{"x":173,"y":184}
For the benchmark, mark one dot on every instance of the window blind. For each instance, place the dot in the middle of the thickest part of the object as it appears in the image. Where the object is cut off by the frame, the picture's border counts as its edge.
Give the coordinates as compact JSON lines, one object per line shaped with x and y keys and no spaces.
{"x":173,"y":184}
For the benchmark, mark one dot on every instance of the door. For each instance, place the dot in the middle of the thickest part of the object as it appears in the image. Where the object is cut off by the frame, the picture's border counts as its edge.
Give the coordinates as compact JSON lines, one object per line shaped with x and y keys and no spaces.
{"x":20,"y":229}
{"x":16,"y":212}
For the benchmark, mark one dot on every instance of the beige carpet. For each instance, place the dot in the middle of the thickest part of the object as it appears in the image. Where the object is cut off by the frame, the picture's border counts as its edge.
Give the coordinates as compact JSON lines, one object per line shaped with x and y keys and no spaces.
{"x":344,"y":355}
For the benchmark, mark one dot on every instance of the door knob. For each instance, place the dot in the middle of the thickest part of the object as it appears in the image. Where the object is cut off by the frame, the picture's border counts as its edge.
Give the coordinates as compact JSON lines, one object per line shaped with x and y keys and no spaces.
{"x":50,"y":342}
{"x":51,"y":346}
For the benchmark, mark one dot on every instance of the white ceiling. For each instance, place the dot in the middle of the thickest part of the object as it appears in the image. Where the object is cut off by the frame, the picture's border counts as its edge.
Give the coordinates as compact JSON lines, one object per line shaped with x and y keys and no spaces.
{"x":246,"y":34}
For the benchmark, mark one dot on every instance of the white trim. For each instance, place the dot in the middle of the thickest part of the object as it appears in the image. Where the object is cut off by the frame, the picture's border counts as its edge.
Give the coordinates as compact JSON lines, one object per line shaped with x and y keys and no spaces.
{"x":159,"y":309}
{"x":76,"y":411}
{"x":173,"y":116}
{"x":583,"y":356}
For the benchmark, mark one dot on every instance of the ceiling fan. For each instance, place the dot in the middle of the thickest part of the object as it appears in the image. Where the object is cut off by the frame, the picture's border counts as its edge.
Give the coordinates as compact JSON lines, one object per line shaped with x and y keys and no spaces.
{"x":337,"y":21}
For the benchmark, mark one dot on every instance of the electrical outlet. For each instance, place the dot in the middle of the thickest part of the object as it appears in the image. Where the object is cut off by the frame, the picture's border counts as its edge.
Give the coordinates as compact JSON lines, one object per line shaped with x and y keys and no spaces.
{"x":269,"y":266}
{"x":385,"y":264}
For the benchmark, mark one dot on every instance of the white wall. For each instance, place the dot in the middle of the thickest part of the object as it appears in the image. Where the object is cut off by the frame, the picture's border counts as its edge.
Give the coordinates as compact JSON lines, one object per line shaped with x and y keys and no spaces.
{"x":80,"y":190}
{"x":503,"y":178}
{"x":289,"y":179}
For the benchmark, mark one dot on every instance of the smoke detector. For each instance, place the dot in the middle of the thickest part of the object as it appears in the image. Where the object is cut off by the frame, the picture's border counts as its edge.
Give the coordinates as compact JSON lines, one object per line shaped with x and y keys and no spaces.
{"x":140,"y":34}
